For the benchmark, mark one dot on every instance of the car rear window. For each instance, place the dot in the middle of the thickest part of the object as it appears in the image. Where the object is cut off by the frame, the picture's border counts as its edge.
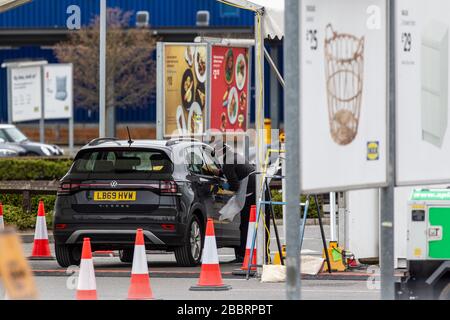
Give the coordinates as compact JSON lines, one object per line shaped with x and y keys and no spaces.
{"x":119,"y":161}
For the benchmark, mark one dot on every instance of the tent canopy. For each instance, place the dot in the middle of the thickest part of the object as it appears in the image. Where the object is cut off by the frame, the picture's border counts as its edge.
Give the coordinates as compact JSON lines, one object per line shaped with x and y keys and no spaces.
{"x":273,"y":20}
{"x":10,"y":4}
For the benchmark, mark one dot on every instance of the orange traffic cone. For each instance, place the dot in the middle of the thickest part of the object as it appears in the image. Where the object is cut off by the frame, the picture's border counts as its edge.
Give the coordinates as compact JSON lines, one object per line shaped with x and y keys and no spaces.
{"x":2,"y":225}
{"x":86,"y":288}
{"x":41,"y":248}
{"x":140,"y":281}
{"x":250,"y":235}
{"x":210,"y":275}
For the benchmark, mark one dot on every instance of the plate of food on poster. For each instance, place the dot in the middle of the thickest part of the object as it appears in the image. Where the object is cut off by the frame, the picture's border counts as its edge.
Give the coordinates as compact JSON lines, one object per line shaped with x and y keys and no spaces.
{"x":187,"y":89}
{"x":189,"y":55}
{"x":195,"y":119}
{"x":223,"y":122}
{"x":233,"y":108}
{"x":200,"y":64}
{"x":243,"y":101}
{"x":181,"y":121}
{"x":229,"y":66}
{"x":200,"y":95}
{"x":241,"y":71}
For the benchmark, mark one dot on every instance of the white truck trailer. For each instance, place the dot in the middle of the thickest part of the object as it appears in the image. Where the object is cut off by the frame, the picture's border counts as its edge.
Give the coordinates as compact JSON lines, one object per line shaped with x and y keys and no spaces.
{"x":426,"y":273}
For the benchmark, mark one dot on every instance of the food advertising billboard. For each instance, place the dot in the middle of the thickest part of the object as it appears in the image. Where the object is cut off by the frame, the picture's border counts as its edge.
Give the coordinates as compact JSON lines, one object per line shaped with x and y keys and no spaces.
{"x":26,"y":94}
{"x":229,"y":96}
{"x":185,"y":81}
{"x":422,"y":116}
{"x":343,"y":107}
{"x":58,"y":91}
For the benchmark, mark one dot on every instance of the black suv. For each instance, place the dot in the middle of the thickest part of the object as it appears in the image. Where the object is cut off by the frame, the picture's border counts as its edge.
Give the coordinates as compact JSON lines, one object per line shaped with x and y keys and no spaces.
{"x":167,"y":188}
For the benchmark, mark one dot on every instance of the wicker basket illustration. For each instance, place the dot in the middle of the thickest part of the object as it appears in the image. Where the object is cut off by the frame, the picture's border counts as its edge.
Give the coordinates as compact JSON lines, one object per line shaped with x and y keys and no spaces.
{"x":344,"y":70}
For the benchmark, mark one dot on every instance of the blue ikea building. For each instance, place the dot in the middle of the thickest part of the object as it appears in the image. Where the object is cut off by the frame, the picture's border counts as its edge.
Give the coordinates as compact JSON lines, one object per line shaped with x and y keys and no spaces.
{"x":30,"y":31}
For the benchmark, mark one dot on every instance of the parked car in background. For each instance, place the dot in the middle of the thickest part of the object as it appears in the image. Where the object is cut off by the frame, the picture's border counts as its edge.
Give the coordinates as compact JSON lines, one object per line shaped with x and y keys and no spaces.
{"x":13,"y":136}
{"x":9,"y":151}
{"x":167,"y":188}
{"x":6,"y":153}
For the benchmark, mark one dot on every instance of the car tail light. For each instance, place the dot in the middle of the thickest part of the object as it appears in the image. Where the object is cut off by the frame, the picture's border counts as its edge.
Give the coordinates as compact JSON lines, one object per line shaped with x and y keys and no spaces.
{"x":169,"y":227}
{"x":67,"y":187}
{"x":168,"y":187}
{"x":60,"y":226}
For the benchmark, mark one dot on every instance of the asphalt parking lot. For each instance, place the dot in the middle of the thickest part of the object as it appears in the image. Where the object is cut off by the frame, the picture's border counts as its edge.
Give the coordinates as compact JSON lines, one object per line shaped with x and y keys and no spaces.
{"x":112,"y":288}
{"x":172,"y":282}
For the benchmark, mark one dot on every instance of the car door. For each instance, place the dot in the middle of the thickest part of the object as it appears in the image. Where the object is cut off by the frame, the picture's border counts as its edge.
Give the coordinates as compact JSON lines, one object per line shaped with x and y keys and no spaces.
{"x":230,"y":229}
{"x":205,"y":186}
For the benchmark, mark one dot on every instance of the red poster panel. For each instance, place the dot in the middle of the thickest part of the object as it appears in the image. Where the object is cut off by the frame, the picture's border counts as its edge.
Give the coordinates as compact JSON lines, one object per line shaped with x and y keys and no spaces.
{"x":229,"y":88}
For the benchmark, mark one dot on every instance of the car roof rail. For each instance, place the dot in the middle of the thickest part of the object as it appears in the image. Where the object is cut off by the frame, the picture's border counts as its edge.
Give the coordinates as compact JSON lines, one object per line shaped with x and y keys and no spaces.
{"x":99,"y":141}
{"x":174,"y":141}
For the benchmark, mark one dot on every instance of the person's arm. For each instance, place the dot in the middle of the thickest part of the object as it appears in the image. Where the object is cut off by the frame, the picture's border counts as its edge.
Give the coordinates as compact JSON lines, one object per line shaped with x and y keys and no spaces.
{"x":232,"y":178}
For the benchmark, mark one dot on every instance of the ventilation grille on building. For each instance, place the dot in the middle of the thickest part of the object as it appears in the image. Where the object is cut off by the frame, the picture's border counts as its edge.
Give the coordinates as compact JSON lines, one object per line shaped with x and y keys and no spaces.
{"x":202,"y":18}
{"x":142,"y":19}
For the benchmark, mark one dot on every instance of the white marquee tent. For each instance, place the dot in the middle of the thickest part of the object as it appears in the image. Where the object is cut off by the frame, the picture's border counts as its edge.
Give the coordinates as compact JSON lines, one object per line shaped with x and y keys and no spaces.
{"x":10,"y":4}
{"x":273,"y":18}
{"x":269,"y":23}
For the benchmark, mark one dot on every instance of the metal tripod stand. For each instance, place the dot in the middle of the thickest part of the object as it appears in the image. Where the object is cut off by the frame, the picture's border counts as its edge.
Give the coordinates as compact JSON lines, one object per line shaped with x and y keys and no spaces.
{"x":270,"y":204}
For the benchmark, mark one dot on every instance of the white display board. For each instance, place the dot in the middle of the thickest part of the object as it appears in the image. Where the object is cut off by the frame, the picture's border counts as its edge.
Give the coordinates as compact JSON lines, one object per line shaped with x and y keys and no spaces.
{"x":343,"y":76}
{"x":26,"y":93}
{"x":423,"y":55}
{"x":58,"y":91}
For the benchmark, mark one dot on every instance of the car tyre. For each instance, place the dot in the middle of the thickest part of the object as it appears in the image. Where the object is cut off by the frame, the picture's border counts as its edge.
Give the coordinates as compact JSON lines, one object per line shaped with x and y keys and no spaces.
{"x":126,"y":255}
{"x":190,"y":254}
{"x":67,"y":256}
{"x":31,"y":154}
{"x":445,"y":293}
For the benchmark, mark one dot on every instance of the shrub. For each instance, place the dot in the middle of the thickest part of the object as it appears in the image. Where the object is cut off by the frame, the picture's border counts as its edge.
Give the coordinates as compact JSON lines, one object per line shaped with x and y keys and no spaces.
{"x":14,"y":216}
{"x":15,"y":200}
{"x":34,"y":169}
{"x":312,"y":211}
{"x":49,"y":202}
{"x":27,"y":169}
{"x":277,"y":196}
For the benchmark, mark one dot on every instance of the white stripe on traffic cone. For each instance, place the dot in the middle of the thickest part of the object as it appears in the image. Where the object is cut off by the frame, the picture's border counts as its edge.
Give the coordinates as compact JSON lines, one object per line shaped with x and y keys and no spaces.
{"x":210,"y":255}
{"x":86,"y":288}
{"x":40,"y":233}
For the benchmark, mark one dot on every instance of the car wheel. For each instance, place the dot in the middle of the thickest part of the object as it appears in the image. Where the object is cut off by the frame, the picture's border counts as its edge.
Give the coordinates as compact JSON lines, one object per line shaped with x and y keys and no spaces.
{"x":126,"y":255}
{"x":190,"y":253}
{"x":445,"y":293}
{"x":31,"y":154}
{"x":67,"y":256}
